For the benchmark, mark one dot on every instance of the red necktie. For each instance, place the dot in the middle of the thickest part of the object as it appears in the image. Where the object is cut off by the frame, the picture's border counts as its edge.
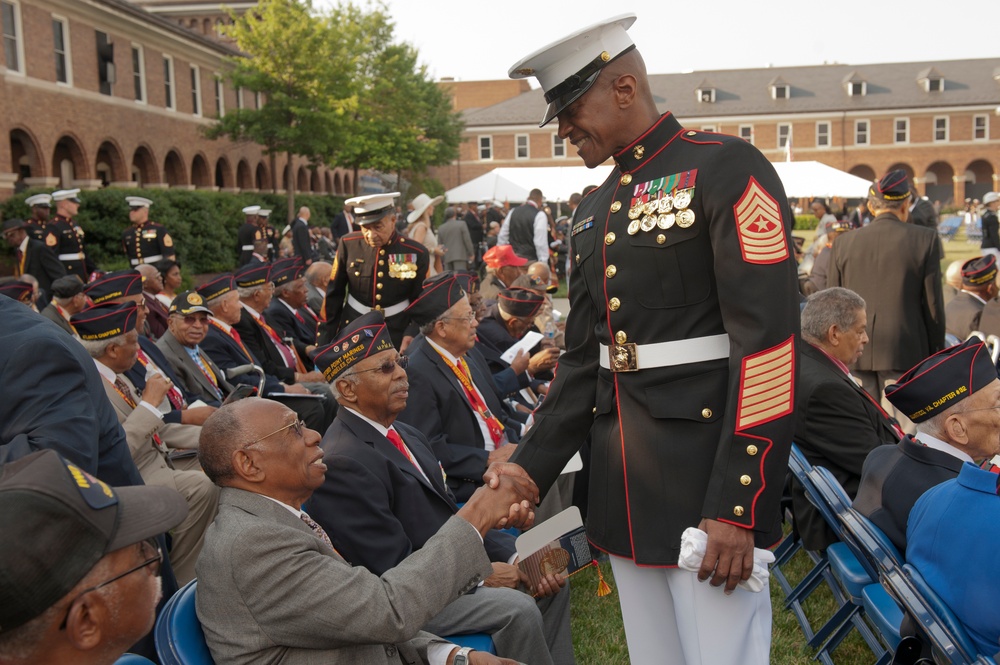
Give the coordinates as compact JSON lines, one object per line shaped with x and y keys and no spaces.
{"x":397,"y":441}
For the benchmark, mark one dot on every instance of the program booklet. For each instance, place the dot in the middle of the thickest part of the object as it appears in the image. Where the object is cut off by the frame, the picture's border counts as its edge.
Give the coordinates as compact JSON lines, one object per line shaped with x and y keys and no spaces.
{"x":557,"y":545}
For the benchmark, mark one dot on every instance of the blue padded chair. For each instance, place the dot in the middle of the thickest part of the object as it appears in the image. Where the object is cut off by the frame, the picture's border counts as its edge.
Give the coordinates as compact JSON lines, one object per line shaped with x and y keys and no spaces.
{"x":478,"y":641}
{"x":133,"y":659}
{"x":947,"y":637}
{"x":178,"y":634}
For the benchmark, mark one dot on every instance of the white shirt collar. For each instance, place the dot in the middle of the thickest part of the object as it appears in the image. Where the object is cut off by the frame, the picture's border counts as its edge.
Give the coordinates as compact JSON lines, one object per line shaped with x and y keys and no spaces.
{"x":293,"y":511}
{"x":225,"y":326}
{"x":250,"y":309}
{"x":290,"y":308}
{"x":105,"y":371}
{"x":943,"y":446}
{"x":380,"y":428}
{"x":444,"y":352}
{"x":24,"y":245}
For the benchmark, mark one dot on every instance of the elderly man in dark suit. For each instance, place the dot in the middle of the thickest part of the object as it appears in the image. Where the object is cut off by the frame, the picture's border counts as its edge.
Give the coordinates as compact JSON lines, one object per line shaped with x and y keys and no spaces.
{"x":286,"y":313}
{"x":385,"y":496}
{"x":271,"y":583}
{"x":896,"y":268}
{"x":452,"y":400}
{"x":32,"y":256}
{"x":954,"y":397}
{"x":837,"y":423}
{"x":67,"y":299}
{"x":188,"y":327}
{"x":979,"y":286}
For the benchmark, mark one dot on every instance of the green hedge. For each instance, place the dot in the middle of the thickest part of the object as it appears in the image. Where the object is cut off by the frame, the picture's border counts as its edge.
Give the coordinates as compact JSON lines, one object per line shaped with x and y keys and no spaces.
{"x":806,"y":222}
{"x":202,"y":224}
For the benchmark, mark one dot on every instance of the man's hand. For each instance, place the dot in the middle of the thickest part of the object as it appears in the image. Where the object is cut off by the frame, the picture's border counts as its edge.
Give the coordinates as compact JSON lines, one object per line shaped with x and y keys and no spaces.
{"x":547,"y":586}
{"x":520,"y":361}
{"x":501,"y":454}
{"x":493,"y":473}
{"x":481,"y":658}
{"x":508,"y":502}
{"x":196,"y":415}
{"x":543,"y":360}
{"x":309,"y":377}
{"x":156,"y":389}
{"x":295,"y":389}
{"x":728,"y":554}
{"x":504,"y":576}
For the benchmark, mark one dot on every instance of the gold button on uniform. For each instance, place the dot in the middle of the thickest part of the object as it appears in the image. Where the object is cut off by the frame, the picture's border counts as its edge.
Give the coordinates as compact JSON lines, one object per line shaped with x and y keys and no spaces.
{"x":616,"y":206}
{"x":706,"y":413}
{"x":378,"y":308}
{"x":577,"y":258}
{"x":738,"y":511}
{"x":638,"y":151}
{"x":744,"y":480}
{"x":380,"y":274}
{"x":379,"y":285}
{"x":610,"y":238}
{"x":751,"y":450}
{"x":381,"y":263}
{"x":614,"y":304}
{"x":660,"y":239}
{"x":378,"y":296}
{"x":626,"y":179}
{"x":621,"y":337}
{"x":611,"y":271}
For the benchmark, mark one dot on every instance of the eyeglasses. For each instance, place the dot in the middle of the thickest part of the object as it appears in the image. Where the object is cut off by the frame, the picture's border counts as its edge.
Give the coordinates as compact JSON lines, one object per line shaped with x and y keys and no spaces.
{"x":299,"y":425}
{"x":470,"y":317}
{"x":389,"y":366}
{"x":985,"y":408}
{"x":153,"y":556}
{"x":191,"y":319}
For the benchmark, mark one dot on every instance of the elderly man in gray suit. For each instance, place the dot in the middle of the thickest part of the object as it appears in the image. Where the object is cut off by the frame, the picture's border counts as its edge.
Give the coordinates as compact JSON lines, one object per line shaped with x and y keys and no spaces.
{"x":272,"y":587}
{"x":187,"y":328}
{"x":454,"y":235}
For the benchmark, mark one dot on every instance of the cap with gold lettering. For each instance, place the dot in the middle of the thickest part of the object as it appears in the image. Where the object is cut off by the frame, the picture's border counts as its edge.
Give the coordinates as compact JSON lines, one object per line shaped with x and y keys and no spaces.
{"x":363,"y":337}
{"x":942,"y":380}
{"x":253,"y":274}
{"x":105,"y":321}
{"x":59,"y":521}
{"x":217,"y":287}
{"x":979,"y":271}
{"x":188,"y":302}
{"x":893,"y":186}
{"x":114,"y":285}
{"x":286,"y":270}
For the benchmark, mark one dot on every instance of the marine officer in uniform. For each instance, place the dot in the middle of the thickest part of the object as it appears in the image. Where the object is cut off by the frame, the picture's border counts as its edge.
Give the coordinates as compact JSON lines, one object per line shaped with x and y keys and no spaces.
{"x":145,"y":241}
{"x":271,"y":233}
{"x":69,"y":236}
{"x":374,"y":269}
{"x":38,"y":226}
{"x":248,"y":232}
{"x":680,"y":354}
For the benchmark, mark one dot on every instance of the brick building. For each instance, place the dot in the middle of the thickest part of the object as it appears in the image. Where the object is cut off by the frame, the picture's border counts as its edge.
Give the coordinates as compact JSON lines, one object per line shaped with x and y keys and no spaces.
{"x":938,"y":121}
{"x":105,"y":92}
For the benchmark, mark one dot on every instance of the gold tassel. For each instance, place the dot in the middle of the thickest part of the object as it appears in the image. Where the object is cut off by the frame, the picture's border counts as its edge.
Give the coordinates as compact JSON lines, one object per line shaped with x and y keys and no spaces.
{"x":603,"y":588}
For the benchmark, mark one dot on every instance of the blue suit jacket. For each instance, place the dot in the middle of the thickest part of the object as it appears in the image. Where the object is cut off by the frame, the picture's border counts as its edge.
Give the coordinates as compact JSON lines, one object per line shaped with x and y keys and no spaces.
{"x":375,"y":504}
{"x":227,"y":354}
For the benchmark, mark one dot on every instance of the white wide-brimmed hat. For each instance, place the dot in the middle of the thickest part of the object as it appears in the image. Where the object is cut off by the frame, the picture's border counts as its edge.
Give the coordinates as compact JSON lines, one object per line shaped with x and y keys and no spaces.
{"x":420,"y":204}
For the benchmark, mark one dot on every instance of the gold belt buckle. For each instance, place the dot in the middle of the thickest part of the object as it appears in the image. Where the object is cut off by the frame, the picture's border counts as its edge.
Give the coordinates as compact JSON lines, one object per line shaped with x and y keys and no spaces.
{"x":623,"y":357}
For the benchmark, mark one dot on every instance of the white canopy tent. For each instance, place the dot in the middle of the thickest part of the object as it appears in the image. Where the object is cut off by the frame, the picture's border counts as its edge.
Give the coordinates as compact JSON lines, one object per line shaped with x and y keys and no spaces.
{"x":817,"y":180}
{"x":801,"y":180}
{"x":513,"y":184}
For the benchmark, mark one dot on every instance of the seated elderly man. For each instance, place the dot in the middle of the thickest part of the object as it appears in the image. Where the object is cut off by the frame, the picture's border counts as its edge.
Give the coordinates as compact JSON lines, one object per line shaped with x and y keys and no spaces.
{"x":67,"y":300}
{"x":187,"y":327}
{"x":271,"y":585}
{"x":837,"y":423}
{"x":286,"y":313}
{"x":385,"y":496}
{"x":317,"y":279}
{"x":80,"y":566}
{"x":452,"y":400}
{"x":503,"y":266}
{"x":953,"y":396}
{"x":979,"y":286}
{"x":156,"y":312}
{"x":108,"y":334}
{"x":948,"y":544}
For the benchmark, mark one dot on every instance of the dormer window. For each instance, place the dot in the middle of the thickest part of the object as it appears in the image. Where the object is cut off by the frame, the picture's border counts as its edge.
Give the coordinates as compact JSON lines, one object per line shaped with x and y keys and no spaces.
{"x":934,"y":84}
{"x":931,"y":80}
{"x":780,"y":89}
{"x":706,"y":95}
{"x":857,"y":88}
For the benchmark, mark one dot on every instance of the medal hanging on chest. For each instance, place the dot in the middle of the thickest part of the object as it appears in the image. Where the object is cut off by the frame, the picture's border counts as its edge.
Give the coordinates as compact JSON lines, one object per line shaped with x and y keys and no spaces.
{"x":403,"y":266}
{"x":663,"y":203}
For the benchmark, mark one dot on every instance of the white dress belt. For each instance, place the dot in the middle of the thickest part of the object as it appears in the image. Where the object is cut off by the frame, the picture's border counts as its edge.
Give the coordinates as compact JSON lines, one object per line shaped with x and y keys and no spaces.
{"x":391,"y":310}
{"x":249,"y":248}
{"x":666,"y":354}
{"x":148,"y":259}
{"x":72,"y":257}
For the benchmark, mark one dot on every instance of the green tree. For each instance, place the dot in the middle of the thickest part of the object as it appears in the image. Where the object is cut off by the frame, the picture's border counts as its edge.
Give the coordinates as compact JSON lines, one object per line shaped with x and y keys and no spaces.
{"x":290,"y":59}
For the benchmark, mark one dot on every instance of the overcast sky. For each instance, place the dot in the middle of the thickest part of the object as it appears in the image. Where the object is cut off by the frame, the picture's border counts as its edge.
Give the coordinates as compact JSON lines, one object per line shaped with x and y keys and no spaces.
{"x":473,"y":40}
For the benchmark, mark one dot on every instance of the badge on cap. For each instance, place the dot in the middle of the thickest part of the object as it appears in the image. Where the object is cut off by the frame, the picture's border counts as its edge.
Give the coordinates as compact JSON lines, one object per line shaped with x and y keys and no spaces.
{"x":95,"y":492}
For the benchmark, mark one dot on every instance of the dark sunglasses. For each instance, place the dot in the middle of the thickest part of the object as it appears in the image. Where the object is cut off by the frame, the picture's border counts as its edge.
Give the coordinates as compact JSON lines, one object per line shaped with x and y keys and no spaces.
{"x":389,"y":366}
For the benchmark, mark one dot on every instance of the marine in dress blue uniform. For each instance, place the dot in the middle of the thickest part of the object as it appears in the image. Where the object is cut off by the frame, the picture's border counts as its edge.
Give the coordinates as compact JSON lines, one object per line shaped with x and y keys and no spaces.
{"x":69,"y":235}
{"x":374,"y":269}
{"x":680,"y":352}
{"x":38,"y":226}
{"x":145,"y":241}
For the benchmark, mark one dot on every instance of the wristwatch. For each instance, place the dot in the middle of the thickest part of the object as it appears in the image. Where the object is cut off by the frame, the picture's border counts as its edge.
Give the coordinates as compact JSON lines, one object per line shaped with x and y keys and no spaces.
{"x":462,"y":657}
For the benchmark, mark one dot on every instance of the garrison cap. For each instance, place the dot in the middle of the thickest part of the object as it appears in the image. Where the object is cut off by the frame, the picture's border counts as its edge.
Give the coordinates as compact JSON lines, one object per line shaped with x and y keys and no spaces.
{"x":59,"y":521}
{"x":979,"y":271}
{"x":522,"y":303}
{"x":439,"y":294}
{"x":893,"y":186}
{"x":105,"y":321}
{"x":361,"y":338}
{"x":67,"y":286}
{"x":188,"y":302}
{"x":468,"y":281}
{"x":43,"y":200}
{"x":373,"y":207}
{"x":286,"y":270}
{"x":253,"y":274}
{"x":66,"y":195}
{"x":568,"y":67}
{"x":114,"y":285}
{"x":18,"y":290}
{"x":217,"y":287}
{"x":942,"y":380}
